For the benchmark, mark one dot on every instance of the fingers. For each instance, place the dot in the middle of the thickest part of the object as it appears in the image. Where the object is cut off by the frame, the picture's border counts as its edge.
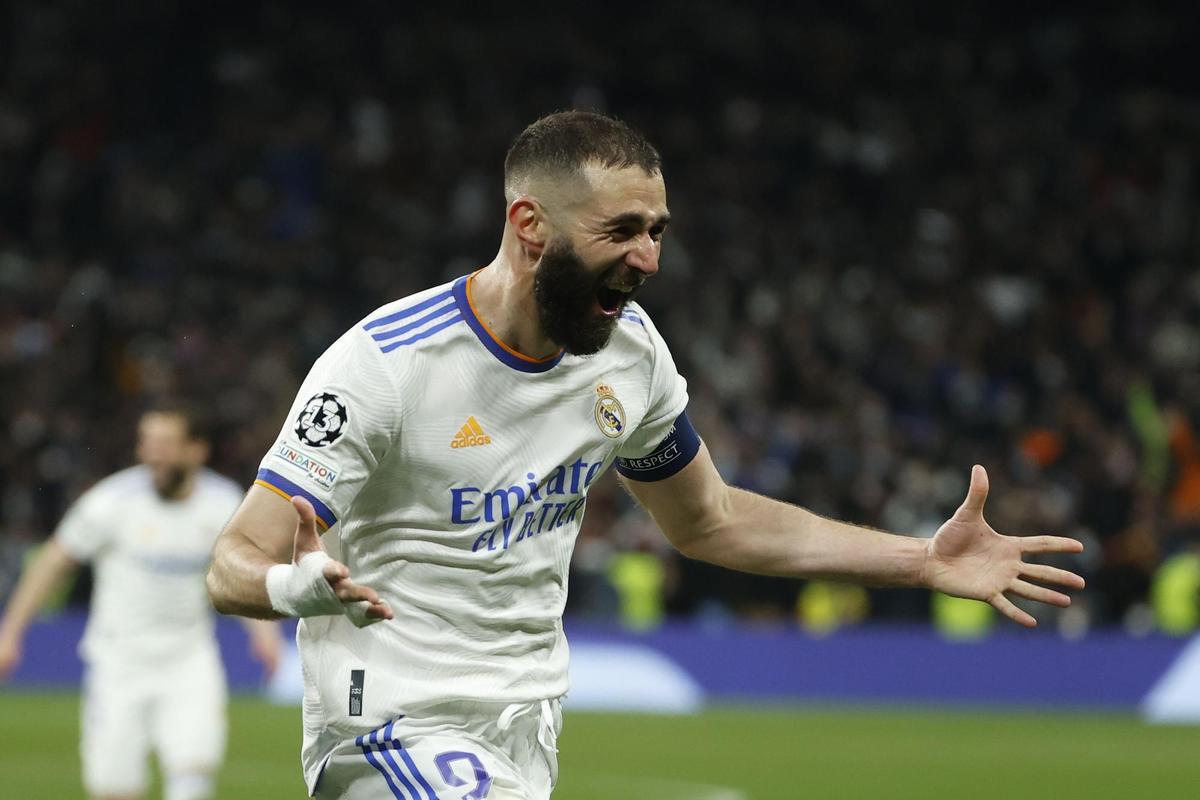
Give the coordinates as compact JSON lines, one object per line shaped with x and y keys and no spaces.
{"x":1049,"y":544}
{"x":1048,"y":574}
{"x":363,"y":614}
{"x":977,"y":493}
{"x":372,"y":612}
{"x":380,"y":610}
{"x":308,"y":514}
{"x":335,"y":571}
{"x":1039,"y":593}
{"x":1006,"y":607}
{"x":308,"y":539}
{"x":350,"y":592}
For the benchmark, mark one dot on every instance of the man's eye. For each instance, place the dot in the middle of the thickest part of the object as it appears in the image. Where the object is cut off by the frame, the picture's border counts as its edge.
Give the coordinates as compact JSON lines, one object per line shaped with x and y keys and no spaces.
{"x":656,"y":233}
{"x":623,"y":233}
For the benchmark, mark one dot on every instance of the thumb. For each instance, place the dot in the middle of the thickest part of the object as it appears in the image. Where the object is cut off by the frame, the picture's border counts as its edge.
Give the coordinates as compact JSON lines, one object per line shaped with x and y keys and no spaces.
{"x":977,"y":493}
{"x":307,"y":540}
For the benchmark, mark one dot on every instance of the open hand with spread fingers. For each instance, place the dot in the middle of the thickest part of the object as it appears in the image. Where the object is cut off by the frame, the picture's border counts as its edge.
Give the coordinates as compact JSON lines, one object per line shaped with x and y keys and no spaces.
{"x":967,"y":558}
{"x":302,"y":592}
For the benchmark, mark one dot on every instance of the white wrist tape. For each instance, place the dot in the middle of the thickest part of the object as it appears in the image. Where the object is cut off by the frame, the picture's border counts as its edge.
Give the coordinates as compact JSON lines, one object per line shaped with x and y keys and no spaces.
{"x":301,"y":589}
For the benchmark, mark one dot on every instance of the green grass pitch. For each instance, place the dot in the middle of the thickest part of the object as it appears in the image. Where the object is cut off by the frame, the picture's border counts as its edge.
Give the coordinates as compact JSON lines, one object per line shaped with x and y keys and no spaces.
{"x":722,"y":754}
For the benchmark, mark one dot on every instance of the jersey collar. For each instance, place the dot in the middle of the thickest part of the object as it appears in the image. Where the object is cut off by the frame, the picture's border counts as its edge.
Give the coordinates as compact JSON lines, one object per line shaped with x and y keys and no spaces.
{"x":509,"y":356}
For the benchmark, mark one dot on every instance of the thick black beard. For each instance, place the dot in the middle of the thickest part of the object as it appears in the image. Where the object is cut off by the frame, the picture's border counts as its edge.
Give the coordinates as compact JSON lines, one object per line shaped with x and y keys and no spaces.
{"x":566,"y":297}
{"x":172,"y":486}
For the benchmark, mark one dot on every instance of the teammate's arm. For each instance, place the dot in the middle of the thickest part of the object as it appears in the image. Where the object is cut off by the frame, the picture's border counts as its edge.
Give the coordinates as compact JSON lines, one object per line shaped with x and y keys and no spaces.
{"x":708,"y":520}
{"x":40,"y":580}
{"x":267,"y":531}
{"x":265,"y":642}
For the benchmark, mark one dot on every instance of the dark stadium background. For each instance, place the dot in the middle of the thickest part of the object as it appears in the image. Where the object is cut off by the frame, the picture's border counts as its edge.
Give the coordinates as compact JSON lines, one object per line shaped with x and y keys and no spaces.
{"x":906,"y":241}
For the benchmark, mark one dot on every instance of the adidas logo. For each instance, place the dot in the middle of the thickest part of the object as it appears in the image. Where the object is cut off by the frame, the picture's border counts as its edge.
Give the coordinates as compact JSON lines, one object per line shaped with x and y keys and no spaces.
{"x":470,"y":435}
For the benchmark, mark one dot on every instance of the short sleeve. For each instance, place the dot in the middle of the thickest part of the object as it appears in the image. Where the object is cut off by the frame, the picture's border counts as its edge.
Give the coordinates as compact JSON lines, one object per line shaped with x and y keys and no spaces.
{"x":668,"y":399}
{"x":87,"y":528}
{"x":339,"y":428}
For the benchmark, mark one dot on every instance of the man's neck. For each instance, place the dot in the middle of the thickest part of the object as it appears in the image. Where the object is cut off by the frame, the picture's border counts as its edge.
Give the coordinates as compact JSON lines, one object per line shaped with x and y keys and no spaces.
{"x":502,"y":296}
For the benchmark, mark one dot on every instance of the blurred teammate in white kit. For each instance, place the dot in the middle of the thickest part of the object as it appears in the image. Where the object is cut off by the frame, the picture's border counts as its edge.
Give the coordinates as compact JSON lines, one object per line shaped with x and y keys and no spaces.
{"x":154,"y":678}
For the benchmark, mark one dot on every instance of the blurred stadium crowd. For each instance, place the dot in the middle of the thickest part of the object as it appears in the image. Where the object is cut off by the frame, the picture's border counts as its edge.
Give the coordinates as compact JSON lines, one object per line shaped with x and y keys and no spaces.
{"x":902,"y":246}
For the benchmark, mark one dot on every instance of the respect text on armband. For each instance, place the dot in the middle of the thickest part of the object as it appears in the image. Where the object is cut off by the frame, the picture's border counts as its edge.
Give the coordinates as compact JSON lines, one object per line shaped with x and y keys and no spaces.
{"x":523,"y":510}
{"x":652,"y":461}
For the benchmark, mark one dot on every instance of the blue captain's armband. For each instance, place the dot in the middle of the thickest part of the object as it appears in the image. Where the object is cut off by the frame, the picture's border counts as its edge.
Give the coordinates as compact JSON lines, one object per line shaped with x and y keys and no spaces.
{"x":672,"y":454}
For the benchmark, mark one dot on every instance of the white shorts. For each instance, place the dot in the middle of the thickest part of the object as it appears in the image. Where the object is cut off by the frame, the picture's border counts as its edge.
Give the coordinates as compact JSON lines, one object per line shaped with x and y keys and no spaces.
{"x":458,"y":750}
{"x":176,"y":708}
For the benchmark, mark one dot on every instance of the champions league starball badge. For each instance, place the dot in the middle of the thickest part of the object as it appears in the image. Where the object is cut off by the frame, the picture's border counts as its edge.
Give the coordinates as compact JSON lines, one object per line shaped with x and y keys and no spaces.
{"x":322,"y":421}
{"x":610,"y":414}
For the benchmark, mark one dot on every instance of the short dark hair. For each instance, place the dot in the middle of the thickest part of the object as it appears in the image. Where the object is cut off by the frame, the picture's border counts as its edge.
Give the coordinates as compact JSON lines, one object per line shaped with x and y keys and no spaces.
{"x":196,"y":421}
{"x":566,"y":141}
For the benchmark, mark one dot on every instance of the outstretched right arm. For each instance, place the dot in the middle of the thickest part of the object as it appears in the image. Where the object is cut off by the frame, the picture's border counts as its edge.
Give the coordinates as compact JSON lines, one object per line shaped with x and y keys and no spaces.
{"x":268,"y":531}
{"x":49,"y":568}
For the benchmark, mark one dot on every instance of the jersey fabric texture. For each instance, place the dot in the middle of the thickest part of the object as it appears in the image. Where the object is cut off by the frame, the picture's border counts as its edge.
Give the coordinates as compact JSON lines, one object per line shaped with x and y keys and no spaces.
{"x":450,"y":474}
{"x":148,"y":555}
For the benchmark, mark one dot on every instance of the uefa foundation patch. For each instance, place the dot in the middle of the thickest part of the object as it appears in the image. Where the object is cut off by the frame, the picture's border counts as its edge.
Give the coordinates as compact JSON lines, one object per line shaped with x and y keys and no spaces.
{"x":316,"y":471}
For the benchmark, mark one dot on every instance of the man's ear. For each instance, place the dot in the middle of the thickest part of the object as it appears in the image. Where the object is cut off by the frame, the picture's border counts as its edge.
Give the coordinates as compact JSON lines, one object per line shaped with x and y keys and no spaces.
{"x":528,"y":221}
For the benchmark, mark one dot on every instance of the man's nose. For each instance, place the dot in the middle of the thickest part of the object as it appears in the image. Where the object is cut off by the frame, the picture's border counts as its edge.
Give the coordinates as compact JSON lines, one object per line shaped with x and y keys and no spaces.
{"x":643,"y":256}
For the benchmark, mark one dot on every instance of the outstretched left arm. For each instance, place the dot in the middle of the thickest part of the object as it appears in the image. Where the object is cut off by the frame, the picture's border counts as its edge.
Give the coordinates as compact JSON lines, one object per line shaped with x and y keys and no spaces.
{"x":708,"y":520}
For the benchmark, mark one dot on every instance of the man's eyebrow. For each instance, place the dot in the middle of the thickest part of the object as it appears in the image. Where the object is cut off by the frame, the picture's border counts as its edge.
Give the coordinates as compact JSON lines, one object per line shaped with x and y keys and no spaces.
{"x":637,"y":220}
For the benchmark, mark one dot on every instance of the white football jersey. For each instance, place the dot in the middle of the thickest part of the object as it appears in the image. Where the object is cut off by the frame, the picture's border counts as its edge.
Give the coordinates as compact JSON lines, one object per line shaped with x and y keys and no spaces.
{"x":149,"y":557}
{"x":449,"y":473}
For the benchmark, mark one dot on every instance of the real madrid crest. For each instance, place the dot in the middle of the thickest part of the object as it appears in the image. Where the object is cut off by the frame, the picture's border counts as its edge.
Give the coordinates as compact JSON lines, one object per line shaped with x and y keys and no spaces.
{"x":610,"y":414}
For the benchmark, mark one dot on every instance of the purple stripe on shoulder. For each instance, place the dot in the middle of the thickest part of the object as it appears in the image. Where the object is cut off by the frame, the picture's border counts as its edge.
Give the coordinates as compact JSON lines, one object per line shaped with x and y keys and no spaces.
{"x":392,"y":333}
{"x":425,"y":334}
{"x":407,"y":312}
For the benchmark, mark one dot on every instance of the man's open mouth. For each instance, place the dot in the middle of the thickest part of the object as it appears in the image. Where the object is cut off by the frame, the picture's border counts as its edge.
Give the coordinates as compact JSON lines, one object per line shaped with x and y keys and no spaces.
{"x":611,"y":300}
